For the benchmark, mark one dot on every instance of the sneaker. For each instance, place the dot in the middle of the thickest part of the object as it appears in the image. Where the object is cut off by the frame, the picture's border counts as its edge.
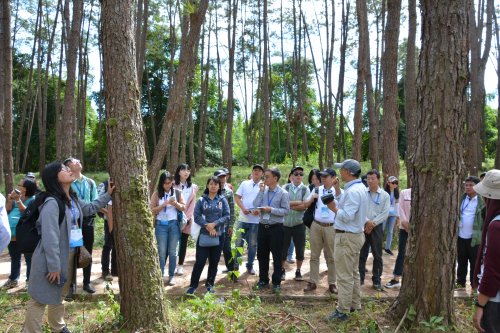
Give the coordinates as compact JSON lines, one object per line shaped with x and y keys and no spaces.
{"x":336,"y":315}
{"x":251,"y":271}
{"x":10,"y":284}
{"x":190,"y":291}
{"x":298,"y":276}
{"x":283,"y":275}
{"x":171,"y":281}
{"x":378,"y":287}
{"x":389,"y":252}
{"x":290,"y":260}
{"x":210,"y":289}
{"x":276,"y":288}
{"x":393,"y":284}
{"x":107,"y":277}
{"x":225,"y":270}
{"x":459,"y":286}
{"x":179,"y":270}
{"x":261,"y":285}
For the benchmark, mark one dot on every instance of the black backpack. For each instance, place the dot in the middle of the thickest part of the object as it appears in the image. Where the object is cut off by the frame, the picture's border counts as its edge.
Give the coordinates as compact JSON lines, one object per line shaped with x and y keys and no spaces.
{"x":27,"y":236}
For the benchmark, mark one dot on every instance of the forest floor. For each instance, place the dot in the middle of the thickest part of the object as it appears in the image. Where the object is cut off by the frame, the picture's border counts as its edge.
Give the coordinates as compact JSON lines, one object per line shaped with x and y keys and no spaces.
{"x":292,"y":311}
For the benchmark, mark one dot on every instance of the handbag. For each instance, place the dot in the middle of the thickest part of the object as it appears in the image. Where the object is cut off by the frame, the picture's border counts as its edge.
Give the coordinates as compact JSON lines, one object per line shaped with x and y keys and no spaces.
{"x":181,"y":217}
{"x":83,"y":257}
{"x":308,"y":217}
{"x":208,"y":241}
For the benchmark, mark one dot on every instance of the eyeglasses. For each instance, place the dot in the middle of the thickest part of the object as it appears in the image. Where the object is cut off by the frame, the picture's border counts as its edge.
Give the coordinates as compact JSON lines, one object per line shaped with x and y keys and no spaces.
{"x":298,"y":174}
{"x":65,"y":168}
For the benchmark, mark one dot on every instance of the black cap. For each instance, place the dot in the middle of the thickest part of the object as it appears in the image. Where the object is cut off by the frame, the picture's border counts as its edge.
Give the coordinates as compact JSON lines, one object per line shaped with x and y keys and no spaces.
{"x":328,"y":172}
{"x":258,"y":166}
{"x":219,"y":173}
{"x":295,"y":168}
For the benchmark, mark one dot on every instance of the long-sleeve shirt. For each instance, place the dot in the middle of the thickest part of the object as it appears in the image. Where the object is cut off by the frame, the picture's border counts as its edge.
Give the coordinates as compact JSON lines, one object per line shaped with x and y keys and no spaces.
{"x":353,"y":207}
{"x":489,"y":284}
{"x":378,"y":206}
{"x":229,"y":194}
{"x":279,"y":202}
{"x":404,"y":206}
{"x":214,"y":210}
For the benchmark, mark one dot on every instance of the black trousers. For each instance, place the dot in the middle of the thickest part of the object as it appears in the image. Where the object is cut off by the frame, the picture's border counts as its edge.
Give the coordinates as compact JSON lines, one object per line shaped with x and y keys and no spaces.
{"x":270,"y":240}
{"x":298,"y":234}
{"x":183,"y":247}
{"x":88,"y":242}
{"x":211,"y":253}
{"x":466,"y":254}
{"x":107,"y":250}
{"x":491,"y":318}
{"x":373,"y":241}
{"x":226,"y":250}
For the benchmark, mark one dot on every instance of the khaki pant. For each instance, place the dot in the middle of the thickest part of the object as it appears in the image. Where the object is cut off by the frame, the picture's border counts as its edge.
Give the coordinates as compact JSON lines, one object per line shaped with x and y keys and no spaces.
{"x":322,"y":238}
{"x":347,"y":248}
{"x":55,"y":313}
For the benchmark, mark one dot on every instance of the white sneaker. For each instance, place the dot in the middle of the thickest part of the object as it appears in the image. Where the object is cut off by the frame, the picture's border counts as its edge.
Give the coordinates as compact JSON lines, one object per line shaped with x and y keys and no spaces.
{"x":179,"y":270}
{"x":171,"y":281}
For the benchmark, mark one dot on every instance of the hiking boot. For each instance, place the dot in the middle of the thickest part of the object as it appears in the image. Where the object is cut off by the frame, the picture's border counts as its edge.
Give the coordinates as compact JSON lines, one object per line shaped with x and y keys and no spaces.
{"x":10,"y":284}
{"x":393,"y":284}
{"x":298,"y":276}
{"x":336,"y":315}
{"x":310,"y":287}
{"x":65,"y":330}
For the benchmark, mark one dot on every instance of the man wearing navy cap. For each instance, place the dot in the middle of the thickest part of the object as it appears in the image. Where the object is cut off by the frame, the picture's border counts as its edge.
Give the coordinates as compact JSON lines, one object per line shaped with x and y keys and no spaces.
{"x":350,"y":220}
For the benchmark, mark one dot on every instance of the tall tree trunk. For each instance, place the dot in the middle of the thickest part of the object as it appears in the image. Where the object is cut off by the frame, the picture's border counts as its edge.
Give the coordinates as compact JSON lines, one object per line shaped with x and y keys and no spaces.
{"x":497,"y":37}
{"x":475,"y":114}
{"x":438,"y":166}
{"x":339,"y":102}
{"x":195,"y":18}
{"x":390,"y":156}
{"x":205,"y":76}
{"x":6,"y":101}
{"x":68,"y":145}
{"x":410,"y":85}
{"x":266,"y":107}
{"x":331,"y":128}
{"x":141,"y":286}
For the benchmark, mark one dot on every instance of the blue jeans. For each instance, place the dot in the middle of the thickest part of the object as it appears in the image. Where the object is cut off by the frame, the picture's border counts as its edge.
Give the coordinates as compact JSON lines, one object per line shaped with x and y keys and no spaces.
{"x":249,"y":234}
{"x":389,"y":226}
{"x":289,"y":254}
{"x":167,"y":237}
{"x":15,"y":262}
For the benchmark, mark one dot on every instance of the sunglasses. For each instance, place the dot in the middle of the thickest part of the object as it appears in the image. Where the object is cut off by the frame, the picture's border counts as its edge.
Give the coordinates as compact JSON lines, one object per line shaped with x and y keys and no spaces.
{"x":298,"y":174}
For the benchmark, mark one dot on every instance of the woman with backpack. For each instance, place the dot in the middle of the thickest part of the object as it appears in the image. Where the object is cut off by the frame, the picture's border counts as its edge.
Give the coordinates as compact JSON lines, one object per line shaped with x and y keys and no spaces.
{"x":211,"y":213}
{"x":17,"y":201}
{"x":166,"y":202}
{"x":54,"y":256}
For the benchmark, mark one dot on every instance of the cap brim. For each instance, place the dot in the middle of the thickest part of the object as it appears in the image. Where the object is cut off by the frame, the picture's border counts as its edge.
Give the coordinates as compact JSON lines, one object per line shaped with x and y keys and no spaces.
{"x":325,"y":174}
{"x":487,"y":192}
{"x":338,"y":165}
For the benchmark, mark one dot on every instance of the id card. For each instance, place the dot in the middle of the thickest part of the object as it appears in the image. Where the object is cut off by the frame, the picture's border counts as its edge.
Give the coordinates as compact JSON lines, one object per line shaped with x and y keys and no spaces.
{"x":266,"y":216}
{"x":76,"y":238}
{"x":324,"y":212}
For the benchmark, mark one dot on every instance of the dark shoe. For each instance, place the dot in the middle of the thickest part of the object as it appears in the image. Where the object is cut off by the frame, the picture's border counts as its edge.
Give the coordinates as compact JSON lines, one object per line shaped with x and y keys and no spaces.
{"x":251,"y":271}
{"x":107,"y":277}
{"x":191,"y":290}
{"x":298,"y":276}
{"x":10,"y":284}
{"x":389,"y":252}
{"x":352,"y":310}
{"x":283,"y":275}
{"x":333,"y":288}
{"x":261,"y":285}
{"x":210,"y":289}
{"x":70,"y":296}
{"x":88,"y":288}
{"x":336,"y":315}
{"x":276,"y":288}
{"x":393,"y":284}
{"x":65,"y":330}
{"x":361,"y":282}
{"x":310,"y":287}
{"x":366,"y":270}
{"x":378,"y":287}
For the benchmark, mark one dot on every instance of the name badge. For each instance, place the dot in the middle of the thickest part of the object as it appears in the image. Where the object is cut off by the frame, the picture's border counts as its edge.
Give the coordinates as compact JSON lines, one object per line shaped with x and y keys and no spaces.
{"x":324,"y":212}
{"x":76,"y":238}
{"x":266,"y":216}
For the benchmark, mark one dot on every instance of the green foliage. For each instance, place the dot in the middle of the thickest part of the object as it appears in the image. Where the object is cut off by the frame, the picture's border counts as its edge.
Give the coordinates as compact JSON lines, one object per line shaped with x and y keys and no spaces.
{"x":434,"y":324}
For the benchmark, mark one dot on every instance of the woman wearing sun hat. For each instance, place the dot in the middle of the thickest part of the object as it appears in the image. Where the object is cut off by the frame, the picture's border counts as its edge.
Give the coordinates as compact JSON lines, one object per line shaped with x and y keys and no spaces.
{"x":487,"y":272}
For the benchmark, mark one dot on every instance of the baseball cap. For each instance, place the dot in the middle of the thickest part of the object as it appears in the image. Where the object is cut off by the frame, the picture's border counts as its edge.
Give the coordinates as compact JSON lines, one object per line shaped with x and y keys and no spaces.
{"x":220,"y":173}
{"x":295,"y":168}
{"x":226,"y":170}
{"x":258,"y":166}
{"x":350,"y":165}
{"x":393,"y":179}
{"x":328,"y":172}
{"x":30,"y":175}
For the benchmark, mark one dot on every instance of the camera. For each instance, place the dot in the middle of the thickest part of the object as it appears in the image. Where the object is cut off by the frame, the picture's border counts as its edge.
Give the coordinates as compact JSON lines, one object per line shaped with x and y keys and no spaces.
{"x":327,"y":198}
{"x":17,"y":191}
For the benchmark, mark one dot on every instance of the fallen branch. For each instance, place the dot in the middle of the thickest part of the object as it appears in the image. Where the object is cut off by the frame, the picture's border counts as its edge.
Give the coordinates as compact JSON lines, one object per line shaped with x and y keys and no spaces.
{"x":401,"y":322}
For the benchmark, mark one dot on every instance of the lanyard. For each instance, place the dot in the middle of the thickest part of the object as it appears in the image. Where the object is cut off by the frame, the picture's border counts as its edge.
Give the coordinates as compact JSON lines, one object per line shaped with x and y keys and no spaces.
{"x":376,"y":201}
{"x":81,"y":190}
{"x":165,"y":198}
{"x":269,"y":200}
{"x":392,"y":198}
{"x":464,"y":208}
{"x":74,"y":212}
{"x":359,"y":181}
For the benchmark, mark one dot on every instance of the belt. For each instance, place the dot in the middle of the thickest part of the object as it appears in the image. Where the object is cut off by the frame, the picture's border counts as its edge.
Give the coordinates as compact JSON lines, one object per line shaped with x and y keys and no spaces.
{"x":338,"y":231}
{"x":269,"y":226}
{"x":324,"y":224}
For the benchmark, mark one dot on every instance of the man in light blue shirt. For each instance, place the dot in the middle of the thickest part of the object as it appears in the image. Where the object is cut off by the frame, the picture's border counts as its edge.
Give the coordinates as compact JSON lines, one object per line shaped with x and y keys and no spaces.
{"x":350,"y":221}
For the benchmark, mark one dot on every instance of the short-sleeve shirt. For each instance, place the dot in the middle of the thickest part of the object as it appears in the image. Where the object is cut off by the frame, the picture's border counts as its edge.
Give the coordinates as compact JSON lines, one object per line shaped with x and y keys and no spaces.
{"x":85,"y":189}
{"x":248,"y":191}
{"x":322,"y":213}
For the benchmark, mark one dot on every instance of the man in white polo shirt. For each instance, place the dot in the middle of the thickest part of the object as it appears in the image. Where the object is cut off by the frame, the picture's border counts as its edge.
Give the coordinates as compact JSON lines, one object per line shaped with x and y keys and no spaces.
{"x":244,"y":197}
{"x":322,"y":233}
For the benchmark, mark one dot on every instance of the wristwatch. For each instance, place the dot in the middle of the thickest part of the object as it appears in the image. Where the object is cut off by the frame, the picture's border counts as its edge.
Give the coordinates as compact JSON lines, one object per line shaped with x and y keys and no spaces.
{"x":476,"y":303}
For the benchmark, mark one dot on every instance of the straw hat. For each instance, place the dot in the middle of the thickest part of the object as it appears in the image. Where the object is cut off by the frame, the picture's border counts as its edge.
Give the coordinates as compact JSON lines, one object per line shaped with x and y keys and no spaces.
{"x":489,"y":187}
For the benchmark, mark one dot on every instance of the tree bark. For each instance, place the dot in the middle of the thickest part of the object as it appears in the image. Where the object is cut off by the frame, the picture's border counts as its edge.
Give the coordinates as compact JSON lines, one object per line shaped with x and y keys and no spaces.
{"x":438,"y":165}
{"x":390,"y":122}
{"x":141,"y":286}
{"x":68,"y":141}
{"x":176,"y":101}
{"x":497,"y":37}
{"x":266,"y":108}
{"x":6,"y":102}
